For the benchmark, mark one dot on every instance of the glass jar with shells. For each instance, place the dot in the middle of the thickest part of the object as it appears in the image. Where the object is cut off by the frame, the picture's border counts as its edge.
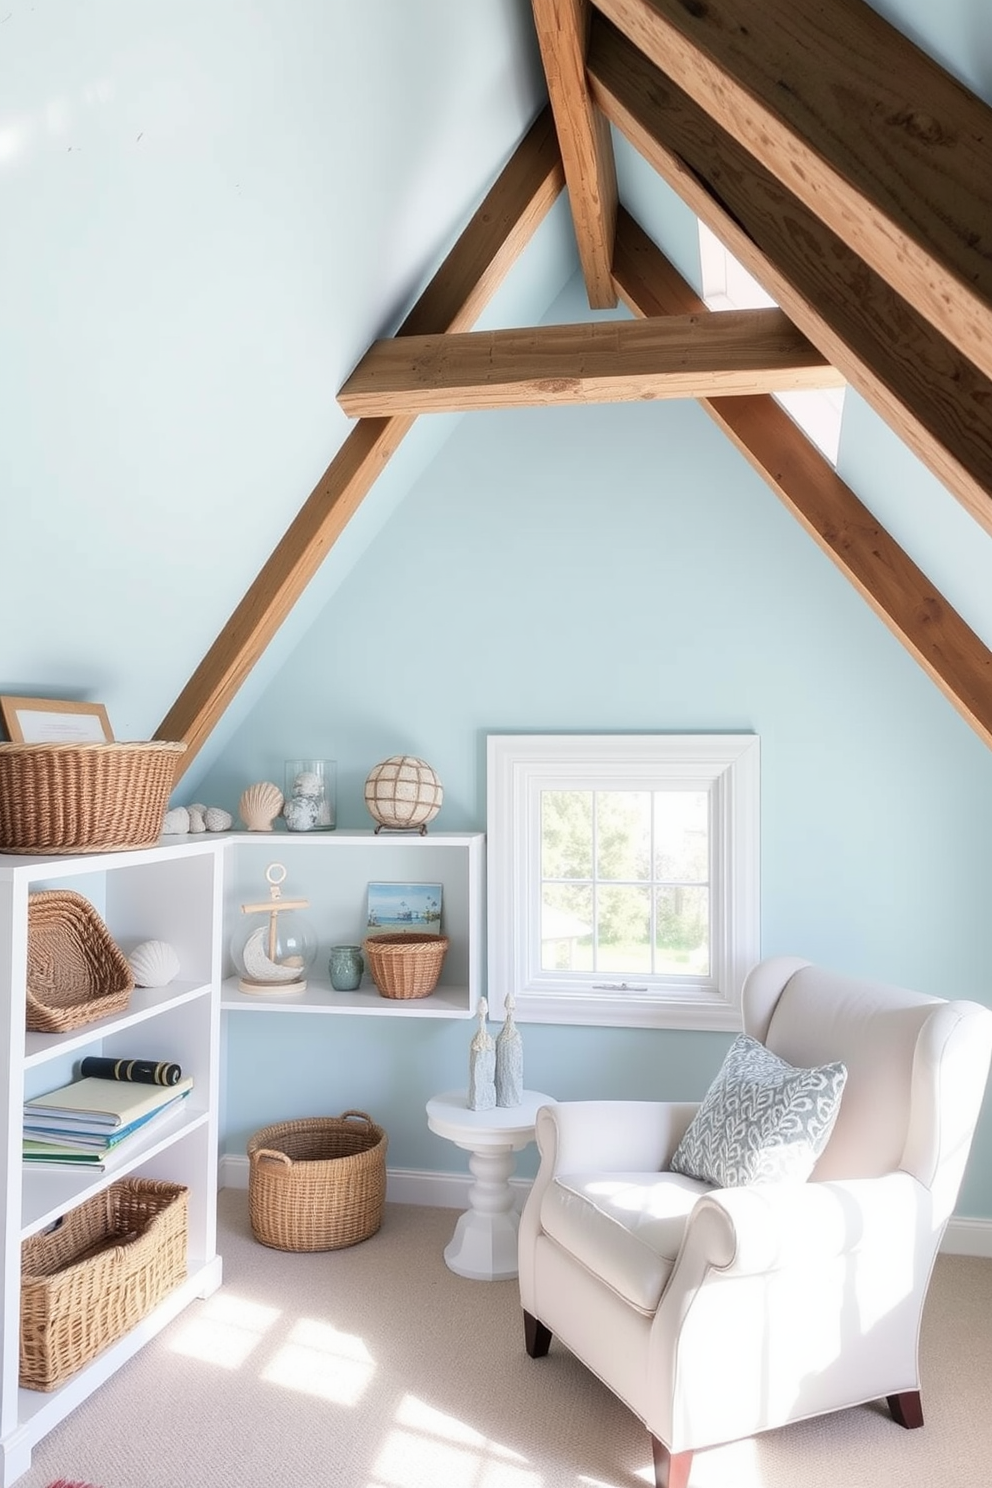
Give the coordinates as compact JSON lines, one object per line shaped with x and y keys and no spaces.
{"x":275,"y":947}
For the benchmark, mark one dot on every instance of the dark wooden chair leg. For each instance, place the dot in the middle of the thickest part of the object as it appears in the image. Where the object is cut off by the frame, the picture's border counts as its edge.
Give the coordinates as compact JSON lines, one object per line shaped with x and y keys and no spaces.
{"x":906,"y":1409}
{"x":671,"y":1469}
{"x":537,"y":1337}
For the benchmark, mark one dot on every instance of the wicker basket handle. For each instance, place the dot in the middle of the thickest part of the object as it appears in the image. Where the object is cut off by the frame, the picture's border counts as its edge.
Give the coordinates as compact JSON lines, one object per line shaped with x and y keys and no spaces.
{"x":363,"y":1114}
{"x":282,"y":1157}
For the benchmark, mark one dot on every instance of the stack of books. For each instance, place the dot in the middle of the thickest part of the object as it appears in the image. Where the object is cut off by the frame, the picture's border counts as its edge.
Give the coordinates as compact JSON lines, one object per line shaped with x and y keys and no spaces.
{"x":89,"y":1121}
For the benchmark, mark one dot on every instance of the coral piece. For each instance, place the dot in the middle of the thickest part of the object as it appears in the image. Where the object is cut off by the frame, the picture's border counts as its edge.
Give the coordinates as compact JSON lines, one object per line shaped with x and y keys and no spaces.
{"x":196,"y":822}
{"x":215,"y":819}
{"x":260,"y":805}
{"x":153,"y":963}
{"x":176,"y":822}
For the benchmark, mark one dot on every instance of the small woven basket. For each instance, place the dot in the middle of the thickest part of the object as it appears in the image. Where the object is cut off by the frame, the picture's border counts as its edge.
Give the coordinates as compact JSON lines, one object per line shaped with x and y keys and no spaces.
{"x":76,"y":972}
{"x":318,"y":1183}
{"x":89,"y":1280}
{"x":67,"y":798}
{"x":405,"y":965}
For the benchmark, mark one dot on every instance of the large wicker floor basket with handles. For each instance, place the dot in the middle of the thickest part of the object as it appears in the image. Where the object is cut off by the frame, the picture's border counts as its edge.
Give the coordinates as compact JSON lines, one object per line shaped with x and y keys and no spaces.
{"x":318,"y":1183}
{"x":69,"y":798}
{"x":98,"y":1272}
{"x":407,"y":964}
{"x":76,"y":971}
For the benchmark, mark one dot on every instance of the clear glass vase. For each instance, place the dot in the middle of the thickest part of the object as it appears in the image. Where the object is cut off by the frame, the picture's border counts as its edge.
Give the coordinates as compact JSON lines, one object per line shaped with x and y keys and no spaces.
{"x":311,"y":795}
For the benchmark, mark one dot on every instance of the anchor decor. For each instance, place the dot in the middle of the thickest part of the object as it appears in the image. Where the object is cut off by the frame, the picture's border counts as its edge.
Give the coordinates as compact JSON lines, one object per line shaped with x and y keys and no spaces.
{"x":276,"y":947}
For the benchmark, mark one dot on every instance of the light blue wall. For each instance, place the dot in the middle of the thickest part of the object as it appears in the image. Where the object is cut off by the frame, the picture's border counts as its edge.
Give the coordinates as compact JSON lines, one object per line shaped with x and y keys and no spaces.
{"x":210,"y":210}
{"x":623,"y":568}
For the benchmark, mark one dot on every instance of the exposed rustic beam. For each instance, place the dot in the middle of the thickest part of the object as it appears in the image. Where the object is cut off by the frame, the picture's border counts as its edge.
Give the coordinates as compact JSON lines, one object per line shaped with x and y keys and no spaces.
{"x":520,"y":198}
{"x":899,"y":593}
{"x":934,"y":399}
{"x":882,"y":144}
{"x":684,"y":356}
{"x":584,"y":136}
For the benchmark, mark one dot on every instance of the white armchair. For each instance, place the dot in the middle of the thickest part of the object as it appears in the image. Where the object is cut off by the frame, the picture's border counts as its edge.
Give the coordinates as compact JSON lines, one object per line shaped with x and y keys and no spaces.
{"x":716,"y":1313}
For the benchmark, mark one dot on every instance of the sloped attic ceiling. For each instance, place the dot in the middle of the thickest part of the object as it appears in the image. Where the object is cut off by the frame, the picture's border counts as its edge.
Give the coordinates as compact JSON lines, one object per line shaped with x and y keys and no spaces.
{"x":846,"y":171}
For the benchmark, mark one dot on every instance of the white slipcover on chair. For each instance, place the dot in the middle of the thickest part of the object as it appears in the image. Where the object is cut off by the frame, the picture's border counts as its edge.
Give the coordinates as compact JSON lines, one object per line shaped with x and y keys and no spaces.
{"x":715,"y":1313}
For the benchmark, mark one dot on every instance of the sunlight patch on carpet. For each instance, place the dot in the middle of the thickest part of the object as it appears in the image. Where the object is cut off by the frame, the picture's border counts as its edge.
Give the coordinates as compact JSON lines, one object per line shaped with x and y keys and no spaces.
{"x":318,"y":1360}
{"x":224,"y":1331}
{"x":430,"y":1449}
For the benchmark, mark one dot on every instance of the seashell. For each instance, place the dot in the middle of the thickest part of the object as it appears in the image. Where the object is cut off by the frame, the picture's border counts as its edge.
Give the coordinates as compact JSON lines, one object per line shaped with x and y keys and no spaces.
{"x":153,"y":963}
{"x":217,"y":820}
{"x":301,"y":813}
{"x":308,"y":783}
{"x":176,"y":822}
{"x":196,"y":822}
{"x":260,"y":805}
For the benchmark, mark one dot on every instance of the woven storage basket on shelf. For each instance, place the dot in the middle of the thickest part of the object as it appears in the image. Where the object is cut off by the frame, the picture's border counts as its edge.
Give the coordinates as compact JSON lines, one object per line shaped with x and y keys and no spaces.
{"x":405,"y":965}
{"x":68,"y":798}
{"x":90,"y":1280}
{"x":76,"y":972}
{"x":318,"y":1183}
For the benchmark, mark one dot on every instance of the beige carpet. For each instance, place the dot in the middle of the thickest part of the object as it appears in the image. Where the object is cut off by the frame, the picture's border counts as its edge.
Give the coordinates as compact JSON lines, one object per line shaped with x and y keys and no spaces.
{"x":375,"y":1367}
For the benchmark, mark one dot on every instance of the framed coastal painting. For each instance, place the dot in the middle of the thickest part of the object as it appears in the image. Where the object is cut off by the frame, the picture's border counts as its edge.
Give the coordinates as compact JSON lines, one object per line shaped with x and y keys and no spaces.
{"x":51,"y":721}
{"x":395,"y":907}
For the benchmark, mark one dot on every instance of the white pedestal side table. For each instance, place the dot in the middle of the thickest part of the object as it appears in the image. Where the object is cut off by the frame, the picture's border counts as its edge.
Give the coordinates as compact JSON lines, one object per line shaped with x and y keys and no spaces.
{"x":484,"y":1245}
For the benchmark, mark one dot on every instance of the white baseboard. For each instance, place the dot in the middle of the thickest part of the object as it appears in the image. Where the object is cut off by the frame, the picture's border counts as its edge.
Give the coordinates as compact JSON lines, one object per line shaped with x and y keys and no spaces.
{"x":403,"y":1185}
{"x":966,"y":1237}
{"x":969,"y":1237}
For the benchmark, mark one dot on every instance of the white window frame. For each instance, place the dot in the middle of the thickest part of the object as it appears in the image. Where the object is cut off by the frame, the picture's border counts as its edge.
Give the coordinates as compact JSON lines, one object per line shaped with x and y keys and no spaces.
{"x":519,"y":768}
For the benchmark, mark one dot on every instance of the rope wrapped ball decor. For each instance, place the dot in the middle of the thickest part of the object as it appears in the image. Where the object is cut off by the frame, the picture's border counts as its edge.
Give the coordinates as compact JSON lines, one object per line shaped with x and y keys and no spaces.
{"x":403,"y":794}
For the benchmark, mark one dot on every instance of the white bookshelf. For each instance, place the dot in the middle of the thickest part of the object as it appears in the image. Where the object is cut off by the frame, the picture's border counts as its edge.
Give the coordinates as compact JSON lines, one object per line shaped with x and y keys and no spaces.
{"x":172,"y":892}
{"x":188,"y":891}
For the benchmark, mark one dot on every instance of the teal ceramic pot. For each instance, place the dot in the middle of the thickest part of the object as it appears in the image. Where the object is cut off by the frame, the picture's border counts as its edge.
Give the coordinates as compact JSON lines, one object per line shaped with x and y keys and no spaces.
{"x":346,"y":967}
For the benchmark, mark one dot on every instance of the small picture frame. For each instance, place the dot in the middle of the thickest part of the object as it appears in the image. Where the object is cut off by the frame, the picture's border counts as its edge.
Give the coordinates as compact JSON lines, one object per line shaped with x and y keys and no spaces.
{"x":397,"y":907}
{"x":52,"y":721}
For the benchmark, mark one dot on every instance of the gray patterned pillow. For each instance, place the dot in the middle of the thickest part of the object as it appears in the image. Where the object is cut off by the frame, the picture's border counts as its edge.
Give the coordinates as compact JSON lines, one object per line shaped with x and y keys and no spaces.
{"x":761,"y":1119}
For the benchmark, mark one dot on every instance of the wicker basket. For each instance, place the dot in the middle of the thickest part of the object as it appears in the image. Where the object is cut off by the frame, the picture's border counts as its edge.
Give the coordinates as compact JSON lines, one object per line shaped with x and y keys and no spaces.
{"x":405,"y":965}
{"x":317,"y":1184}
{"x":68,"y":798}
{"x":76,"y":972}
{"x":106,"y":1265}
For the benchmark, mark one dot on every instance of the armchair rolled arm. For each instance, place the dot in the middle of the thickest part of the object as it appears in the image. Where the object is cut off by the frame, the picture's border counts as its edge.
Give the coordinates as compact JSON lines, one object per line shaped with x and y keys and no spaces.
{"x":771,"y":1226}
{"x":607,"y":1135}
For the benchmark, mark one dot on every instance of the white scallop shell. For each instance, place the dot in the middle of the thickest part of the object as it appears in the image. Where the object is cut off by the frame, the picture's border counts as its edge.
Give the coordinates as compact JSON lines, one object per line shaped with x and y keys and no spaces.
{"x":260,"y":805}
{"x":215,"y":819}
{"x":176,"y":822}
{"x":153,"y":963}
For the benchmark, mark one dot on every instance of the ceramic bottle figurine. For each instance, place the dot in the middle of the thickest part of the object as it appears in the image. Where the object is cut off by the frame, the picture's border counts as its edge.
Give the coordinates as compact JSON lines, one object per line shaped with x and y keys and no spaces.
{"x":509,"y":1060}
{"x":482,"y":1065}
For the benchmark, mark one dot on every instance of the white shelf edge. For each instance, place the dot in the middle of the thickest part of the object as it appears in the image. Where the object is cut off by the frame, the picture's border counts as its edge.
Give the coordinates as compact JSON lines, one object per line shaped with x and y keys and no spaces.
{"x":146,"y":1002}
{"x":443,"y":1002}
{"x":48,"y":1194}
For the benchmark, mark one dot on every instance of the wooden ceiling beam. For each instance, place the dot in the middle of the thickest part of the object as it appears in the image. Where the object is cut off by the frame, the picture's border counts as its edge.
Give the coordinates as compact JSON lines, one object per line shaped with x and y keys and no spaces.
{"x":518,"y":201}
{"x":938,"y":403}
{"x":887,"y":578}
{"x":868,"y":131}
{"x":584,"y":137}
{"x":683,"y":356}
